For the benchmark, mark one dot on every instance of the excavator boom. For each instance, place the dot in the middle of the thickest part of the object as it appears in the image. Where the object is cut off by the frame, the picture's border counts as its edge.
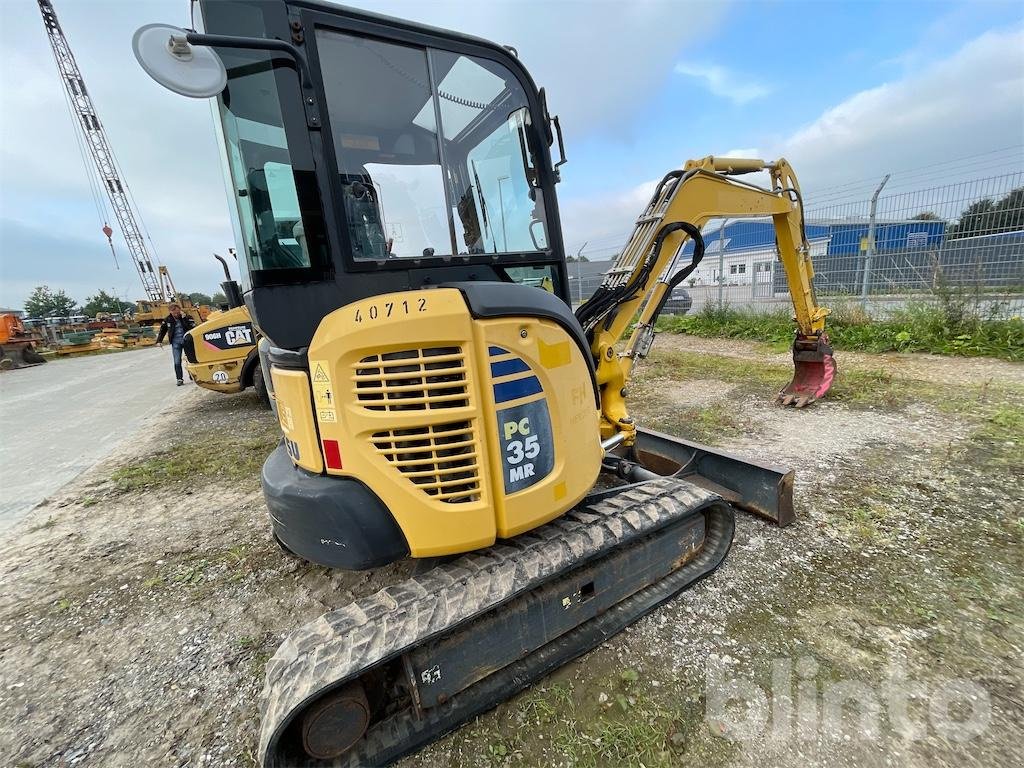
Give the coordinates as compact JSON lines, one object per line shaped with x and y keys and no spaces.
{"x":646,"y":271}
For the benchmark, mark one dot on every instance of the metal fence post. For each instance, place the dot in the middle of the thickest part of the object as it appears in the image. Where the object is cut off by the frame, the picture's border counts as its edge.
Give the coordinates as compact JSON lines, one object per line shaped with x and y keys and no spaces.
{"x":579,"y":279}
{"x":721,"y":265}
{"x":869,"y":255}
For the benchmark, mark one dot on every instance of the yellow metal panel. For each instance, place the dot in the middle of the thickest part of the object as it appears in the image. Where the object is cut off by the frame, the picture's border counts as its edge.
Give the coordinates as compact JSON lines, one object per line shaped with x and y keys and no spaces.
{"x":295,"y":413}
{"x":554,"y":355}
{"x":224,"y":364}
{"x":568,"y":394}
{"x":410,"y":438}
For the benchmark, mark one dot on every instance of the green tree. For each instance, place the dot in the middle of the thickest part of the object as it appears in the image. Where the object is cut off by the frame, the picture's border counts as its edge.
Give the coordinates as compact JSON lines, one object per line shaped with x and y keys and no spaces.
{"x":986,"y":217}
{"x":1009,"y":213}
{"x":217,"y":299}
{"x":925,"y":216}
{"x":200,"y":298}
{"x":43,"y":302}
{"x":104,"y":302}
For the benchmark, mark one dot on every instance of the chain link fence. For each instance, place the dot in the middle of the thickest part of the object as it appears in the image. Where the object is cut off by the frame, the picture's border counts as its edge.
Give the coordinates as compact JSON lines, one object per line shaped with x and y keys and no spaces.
{"x":963,"y":240}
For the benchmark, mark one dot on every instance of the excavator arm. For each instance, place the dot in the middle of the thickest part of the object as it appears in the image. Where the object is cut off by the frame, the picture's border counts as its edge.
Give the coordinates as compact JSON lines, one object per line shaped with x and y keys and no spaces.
{"x":636,"y":287}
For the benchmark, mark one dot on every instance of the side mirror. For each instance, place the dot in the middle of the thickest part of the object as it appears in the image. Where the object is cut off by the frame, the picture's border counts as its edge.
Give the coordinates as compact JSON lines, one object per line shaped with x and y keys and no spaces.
{"x":165,"y":54}
{"x":185,"y":62}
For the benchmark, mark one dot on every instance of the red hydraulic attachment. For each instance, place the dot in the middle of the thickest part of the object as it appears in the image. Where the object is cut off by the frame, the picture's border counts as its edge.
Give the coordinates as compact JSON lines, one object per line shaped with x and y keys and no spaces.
{"x":814,"y":370}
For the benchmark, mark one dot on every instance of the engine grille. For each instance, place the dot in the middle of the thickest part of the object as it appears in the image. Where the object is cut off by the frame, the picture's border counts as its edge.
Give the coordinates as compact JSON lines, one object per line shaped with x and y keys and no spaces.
{"x":412,"y":380}
{"x":441,"y":460}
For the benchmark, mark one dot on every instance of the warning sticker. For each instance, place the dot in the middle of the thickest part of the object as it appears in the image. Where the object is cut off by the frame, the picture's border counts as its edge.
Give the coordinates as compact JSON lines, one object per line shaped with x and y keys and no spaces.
{"x":323,"y":395}
{"x":323,"y":389}
{"x":320,"y":375}
{"x":327,"y":415}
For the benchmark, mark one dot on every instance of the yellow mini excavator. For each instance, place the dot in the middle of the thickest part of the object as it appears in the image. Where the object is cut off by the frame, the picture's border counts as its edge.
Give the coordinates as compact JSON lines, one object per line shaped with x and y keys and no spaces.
{"x":221,"y":353}
{"x":394,"y":196}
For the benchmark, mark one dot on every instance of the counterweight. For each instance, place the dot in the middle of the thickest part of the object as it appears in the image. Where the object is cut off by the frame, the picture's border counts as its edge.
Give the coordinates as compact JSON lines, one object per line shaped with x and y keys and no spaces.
{"x":102,"y":155}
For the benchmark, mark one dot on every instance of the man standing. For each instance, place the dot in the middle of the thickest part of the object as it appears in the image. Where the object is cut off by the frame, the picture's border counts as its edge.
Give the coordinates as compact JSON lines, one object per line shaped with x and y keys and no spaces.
{"x":175,"y":326}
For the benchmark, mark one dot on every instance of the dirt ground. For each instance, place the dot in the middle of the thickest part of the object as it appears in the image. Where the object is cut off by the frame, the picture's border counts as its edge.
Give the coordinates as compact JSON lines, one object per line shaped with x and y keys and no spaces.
{"x":141,"y":602}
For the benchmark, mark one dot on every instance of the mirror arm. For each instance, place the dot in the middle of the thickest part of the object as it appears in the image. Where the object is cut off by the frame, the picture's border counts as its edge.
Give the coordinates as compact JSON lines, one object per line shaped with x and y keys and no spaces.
{"x":269,"y":44}
{"x":256,"y":43}
{"x":561,"y":144}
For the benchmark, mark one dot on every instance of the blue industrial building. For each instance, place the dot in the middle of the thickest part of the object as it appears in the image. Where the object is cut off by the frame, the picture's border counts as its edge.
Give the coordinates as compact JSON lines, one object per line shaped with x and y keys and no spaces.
{"x":905,"y":252}
{"x":850,"y":237}
{"x":908,"y":255}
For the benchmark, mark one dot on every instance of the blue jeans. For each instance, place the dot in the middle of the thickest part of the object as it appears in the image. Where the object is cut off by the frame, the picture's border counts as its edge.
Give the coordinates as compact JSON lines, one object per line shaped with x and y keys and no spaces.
{"x":176,"y":354}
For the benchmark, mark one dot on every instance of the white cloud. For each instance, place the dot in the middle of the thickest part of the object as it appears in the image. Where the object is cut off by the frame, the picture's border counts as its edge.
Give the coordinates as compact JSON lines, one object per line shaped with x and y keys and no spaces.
{"x":967,"y":103}
{"x":752,"y":152}
{"x":603,"y":221}
{"x":723,"y":82}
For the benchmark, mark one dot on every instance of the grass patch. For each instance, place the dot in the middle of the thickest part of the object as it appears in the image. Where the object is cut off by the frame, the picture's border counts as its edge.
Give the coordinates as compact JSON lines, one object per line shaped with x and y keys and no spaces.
{"x":708,"y":424}
{"x":1004,"y":423}
{"x":638,"y":730}
{"x":543,"y":706}
{"x":856,"y":386}
{"x":659,"y":400}
{"x":945,"y":327}
{"x":616,"y":719}
{"x":865,"y":522}
{"x":999,"y":435}
{"x":208,"y":457}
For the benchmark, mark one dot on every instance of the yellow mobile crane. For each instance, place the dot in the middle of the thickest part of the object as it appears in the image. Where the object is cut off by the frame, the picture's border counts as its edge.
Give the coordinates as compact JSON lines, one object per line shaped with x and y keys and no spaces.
{"x":394,"y":191}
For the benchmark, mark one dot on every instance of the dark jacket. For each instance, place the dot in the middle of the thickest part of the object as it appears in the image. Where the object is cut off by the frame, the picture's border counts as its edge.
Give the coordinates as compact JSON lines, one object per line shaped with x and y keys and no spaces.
{"x":167,"y":326}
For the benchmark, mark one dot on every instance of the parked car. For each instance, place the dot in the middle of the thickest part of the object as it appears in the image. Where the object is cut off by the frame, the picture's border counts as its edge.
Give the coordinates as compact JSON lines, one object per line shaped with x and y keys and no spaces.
{"x":678,"y":303}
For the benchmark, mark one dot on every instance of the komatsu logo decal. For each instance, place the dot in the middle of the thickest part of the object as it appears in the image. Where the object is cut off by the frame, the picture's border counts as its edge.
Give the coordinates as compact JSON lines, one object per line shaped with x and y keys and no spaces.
{"x":524,"y":430}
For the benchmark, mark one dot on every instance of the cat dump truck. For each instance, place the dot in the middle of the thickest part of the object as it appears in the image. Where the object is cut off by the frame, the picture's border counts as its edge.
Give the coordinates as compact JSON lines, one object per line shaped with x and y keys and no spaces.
{"x":394,"y":191}
{"x":221,"y":353}
{"x":19,"y":346}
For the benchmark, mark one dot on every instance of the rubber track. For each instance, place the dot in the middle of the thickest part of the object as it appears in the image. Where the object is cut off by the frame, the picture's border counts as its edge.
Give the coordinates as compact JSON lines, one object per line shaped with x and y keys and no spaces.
{"x":344,"y":643}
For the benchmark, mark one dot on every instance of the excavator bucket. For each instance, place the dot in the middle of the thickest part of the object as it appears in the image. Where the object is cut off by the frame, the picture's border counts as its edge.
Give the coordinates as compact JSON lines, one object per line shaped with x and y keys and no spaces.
{"x":814,"y":370}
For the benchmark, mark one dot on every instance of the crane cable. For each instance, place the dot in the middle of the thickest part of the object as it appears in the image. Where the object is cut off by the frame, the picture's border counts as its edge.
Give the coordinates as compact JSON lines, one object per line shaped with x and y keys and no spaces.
{"x":99,"y":200}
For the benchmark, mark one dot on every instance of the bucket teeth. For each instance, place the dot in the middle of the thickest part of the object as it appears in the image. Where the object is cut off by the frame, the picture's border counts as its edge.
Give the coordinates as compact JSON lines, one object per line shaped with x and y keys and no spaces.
{"x":813,"y":374}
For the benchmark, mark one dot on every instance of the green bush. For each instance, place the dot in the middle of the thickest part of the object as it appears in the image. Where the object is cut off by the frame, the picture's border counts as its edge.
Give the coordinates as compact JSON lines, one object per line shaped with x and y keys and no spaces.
{"x":945,"y":327}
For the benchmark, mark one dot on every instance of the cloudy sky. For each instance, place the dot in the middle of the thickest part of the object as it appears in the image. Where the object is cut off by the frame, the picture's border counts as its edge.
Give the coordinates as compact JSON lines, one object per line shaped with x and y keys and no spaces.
{"x":932,"y":92}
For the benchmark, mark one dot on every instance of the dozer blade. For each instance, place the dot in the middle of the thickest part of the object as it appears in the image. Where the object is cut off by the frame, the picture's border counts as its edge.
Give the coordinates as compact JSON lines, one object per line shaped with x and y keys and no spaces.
{"x":814,"y":370}
{"x":754,"y":486}
{"x":386,"y":675}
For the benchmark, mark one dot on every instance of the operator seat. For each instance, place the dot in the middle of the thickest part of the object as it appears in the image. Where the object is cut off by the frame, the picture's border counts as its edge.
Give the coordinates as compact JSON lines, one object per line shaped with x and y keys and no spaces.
{"x":365,"y":222}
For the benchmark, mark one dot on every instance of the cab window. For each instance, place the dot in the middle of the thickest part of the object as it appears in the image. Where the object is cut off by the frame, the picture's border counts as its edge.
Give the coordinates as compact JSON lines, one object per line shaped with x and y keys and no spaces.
{"x":433,"y":151}
{"x":271,"y":177}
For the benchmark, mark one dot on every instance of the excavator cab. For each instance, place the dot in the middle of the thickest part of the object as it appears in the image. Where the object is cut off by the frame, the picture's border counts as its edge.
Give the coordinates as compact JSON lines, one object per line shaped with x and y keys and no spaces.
{"x":391,"y":158}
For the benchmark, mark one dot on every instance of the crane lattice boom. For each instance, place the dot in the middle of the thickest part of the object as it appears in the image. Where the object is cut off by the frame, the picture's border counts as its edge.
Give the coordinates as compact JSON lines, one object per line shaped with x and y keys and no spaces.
{"x":102,"y":155}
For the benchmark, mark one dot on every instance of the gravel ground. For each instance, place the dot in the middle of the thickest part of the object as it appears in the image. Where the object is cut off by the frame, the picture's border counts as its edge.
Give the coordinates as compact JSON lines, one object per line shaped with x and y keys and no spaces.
{"x":139,"y":608}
